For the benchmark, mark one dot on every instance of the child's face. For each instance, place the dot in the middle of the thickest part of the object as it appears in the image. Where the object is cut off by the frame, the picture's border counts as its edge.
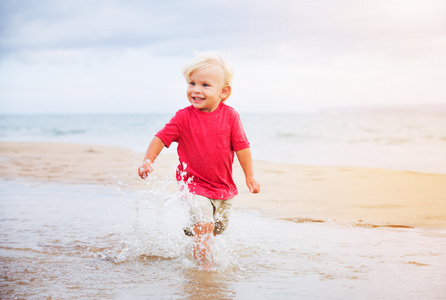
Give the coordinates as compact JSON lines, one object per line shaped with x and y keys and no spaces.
{"x":206,"y":88}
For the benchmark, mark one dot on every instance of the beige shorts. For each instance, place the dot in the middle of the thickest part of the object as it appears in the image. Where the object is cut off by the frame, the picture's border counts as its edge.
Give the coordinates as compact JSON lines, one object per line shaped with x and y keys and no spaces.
{"x":203,"y":209}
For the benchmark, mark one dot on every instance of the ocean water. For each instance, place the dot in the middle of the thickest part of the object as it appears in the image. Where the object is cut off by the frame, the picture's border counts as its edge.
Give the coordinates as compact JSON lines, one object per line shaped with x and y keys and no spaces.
{"x":92,"y":242}
{"x":412,"y":139}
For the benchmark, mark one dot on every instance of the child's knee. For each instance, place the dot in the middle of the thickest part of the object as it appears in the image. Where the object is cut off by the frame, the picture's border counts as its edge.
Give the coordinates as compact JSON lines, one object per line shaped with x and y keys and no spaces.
{"x":219,"y":227}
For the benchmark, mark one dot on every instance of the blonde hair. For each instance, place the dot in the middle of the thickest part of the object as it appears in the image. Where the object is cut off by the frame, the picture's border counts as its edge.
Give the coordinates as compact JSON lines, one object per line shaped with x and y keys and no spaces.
{"x":206,"y":59}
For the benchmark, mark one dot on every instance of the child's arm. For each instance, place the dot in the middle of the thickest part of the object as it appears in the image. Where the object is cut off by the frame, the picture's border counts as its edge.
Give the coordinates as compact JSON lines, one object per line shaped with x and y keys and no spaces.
{"x":154,"y":149}
{"x":245,"y":159}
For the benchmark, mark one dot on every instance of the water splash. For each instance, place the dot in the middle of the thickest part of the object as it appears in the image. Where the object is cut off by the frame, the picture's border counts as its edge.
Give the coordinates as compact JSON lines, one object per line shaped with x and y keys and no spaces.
{"x":157,"y":233}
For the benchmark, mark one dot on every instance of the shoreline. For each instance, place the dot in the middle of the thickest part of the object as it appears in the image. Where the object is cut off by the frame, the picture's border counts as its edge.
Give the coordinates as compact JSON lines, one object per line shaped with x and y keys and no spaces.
{"x":354,"y":196}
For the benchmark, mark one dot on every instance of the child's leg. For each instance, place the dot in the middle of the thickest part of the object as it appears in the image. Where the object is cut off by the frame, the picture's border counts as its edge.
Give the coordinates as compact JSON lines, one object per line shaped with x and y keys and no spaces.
{"x":202,"y":243}
{"x":201,"y":211}
{"x":222,"y":212}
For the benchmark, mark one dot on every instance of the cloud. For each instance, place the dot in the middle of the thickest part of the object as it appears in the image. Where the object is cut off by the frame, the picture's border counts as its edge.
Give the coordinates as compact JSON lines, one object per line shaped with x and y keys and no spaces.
{"x":40,"y":25}
{"x":174,"y":27}
{"x":68,"y":24}
{"x":306,"y":54}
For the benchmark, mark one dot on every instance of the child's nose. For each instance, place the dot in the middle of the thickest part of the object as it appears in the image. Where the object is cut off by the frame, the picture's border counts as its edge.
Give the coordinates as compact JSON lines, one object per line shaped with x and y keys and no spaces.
{"x":197,"y":89}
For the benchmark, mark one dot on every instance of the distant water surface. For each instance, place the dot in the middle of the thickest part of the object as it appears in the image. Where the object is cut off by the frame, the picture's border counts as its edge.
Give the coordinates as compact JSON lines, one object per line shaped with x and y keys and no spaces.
{"x":413,"y":140}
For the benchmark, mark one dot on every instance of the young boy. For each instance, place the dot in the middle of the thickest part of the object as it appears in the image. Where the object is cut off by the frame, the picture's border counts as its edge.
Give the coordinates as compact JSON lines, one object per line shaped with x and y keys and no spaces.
{"x":208,"y":133}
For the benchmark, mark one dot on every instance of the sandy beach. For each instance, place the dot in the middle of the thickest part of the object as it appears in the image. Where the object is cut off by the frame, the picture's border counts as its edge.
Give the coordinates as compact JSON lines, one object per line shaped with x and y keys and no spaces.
{"x":344,"y":195}
{"x":78,"y":222}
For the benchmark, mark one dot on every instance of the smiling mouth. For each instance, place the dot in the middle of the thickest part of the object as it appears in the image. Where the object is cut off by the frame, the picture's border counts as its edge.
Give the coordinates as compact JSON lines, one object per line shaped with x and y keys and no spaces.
{"x":198,"y":99}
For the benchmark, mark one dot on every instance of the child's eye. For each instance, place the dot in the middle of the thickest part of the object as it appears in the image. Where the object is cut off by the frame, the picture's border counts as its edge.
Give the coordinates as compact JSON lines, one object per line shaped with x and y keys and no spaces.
{"x":191,"y":83}
{"x":205,"y":84}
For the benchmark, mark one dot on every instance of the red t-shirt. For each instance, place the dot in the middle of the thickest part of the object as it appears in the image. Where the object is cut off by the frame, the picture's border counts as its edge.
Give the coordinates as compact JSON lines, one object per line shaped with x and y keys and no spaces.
{"x":206,"y":145}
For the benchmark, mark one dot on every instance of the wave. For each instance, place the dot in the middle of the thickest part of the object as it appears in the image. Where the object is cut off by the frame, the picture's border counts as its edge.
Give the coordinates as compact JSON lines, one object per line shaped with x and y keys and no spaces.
{"x":60,"y":132}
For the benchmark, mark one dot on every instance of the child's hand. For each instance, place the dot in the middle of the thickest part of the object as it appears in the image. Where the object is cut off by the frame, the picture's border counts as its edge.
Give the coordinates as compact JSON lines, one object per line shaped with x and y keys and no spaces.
{"x":252,"y":184}
{"x":145,"y":169}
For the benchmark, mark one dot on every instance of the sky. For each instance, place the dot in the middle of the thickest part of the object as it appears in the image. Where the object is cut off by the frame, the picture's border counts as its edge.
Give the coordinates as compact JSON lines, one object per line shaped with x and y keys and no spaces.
{"x":289,"y":56}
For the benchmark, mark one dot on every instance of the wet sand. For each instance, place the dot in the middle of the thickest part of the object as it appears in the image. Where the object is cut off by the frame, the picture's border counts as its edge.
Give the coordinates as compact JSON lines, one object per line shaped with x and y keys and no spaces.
{"x":77,"y":241}
{"x":347,"y":195}
{"x":78,"y":223}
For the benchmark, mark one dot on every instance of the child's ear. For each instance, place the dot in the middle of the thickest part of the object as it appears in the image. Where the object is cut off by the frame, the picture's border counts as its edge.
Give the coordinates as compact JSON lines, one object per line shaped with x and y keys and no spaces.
{"x":225,"y":92}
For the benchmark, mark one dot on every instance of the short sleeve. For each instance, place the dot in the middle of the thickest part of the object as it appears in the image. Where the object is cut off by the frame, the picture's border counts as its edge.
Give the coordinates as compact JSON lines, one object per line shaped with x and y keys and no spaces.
{"x":238,"y":137}
{"x":171,"y":131}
